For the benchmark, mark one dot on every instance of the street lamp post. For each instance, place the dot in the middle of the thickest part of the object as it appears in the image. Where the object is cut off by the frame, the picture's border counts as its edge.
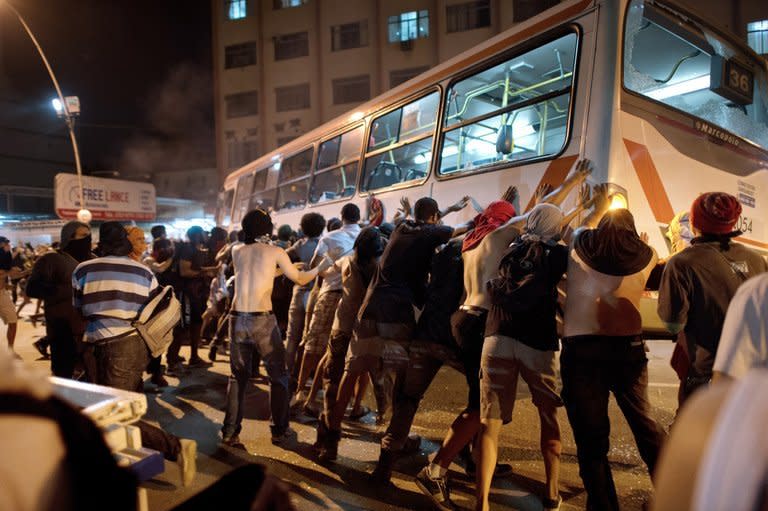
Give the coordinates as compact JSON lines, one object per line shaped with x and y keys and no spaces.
{"x":83,"y":215}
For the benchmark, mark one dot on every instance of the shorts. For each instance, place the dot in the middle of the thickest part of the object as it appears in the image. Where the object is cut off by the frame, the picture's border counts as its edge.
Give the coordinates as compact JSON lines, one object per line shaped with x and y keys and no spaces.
{"x":503,"y":359}
{"x":7,"y":308}
{"x":377,"y":346}
{"x":319,"y":330}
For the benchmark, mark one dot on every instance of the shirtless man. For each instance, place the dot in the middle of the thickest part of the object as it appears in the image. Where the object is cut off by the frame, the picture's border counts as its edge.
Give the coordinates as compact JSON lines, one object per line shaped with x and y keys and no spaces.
{"x":254,"y":327}
{"x":481,"y":263}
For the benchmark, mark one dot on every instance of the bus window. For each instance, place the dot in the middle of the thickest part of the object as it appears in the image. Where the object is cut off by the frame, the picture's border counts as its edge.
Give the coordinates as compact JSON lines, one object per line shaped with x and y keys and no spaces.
{"x":242,"y":195}
{"x":516,"y":110}
{"x":259,"y":180}
{"x":294,"y":180}
{"x":336,"y":172}
{"x":292,"y":195}
{"x":684,"y":65}
{"x":263,"y":200}
{"x":400,"y":145}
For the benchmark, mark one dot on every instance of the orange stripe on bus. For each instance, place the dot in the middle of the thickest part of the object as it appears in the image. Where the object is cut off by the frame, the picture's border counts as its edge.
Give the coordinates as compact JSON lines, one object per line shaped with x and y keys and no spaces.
{"x":650,"y":181}
{"x":554,"y":175}
{"x":751,"y":242}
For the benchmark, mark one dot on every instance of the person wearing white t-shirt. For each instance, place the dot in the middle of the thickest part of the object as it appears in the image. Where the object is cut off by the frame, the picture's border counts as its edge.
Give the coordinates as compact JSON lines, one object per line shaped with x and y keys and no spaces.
{"x":744,"y":341}
{"x":253,"y":326}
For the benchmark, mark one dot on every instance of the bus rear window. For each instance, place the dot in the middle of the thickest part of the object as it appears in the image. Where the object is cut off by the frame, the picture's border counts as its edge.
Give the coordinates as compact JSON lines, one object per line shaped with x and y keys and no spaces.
{"x":677,"y":62}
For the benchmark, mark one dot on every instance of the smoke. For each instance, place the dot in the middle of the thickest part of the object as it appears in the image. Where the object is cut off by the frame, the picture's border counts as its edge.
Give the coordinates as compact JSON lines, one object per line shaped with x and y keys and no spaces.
{"x":179,"y":115}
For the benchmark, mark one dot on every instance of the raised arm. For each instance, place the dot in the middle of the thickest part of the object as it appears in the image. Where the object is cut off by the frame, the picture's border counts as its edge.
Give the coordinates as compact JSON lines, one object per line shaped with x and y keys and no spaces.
{"x":558,"y":195}
{"x":510,"y":230}
{"x":458,"y":206}
{"x":298,"y":276}
{"x":600,"y":205}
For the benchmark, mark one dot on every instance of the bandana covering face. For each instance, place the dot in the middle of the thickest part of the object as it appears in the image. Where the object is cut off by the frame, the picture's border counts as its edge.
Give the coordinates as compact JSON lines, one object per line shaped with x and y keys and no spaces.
{"x":495,"y":215}
{"x":614,"y":248}
{"x":715,"y":213}
{"x":544,"y":223}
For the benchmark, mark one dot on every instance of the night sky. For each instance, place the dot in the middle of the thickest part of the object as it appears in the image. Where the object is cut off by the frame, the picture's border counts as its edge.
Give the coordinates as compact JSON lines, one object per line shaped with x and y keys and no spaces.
{"x":142,"y":70}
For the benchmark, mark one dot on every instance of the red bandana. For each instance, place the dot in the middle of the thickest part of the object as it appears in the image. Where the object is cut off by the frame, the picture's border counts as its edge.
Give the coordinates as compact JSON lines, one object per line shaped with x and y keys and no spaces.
{"x":496,"y":214}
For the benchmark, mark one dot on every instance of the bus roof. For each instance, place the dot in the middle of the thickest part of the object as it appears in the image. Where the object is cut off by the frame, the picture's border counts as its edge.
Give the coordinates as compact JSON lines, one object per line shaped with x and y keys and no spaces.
{"x":552,"y":17}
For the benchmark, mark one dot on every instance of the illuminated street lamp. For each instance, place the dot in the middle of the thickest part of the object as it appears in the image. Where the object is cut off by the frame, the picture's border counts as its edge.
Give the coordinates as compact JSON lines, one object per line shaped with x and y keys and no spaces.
{"x":63,"y":104}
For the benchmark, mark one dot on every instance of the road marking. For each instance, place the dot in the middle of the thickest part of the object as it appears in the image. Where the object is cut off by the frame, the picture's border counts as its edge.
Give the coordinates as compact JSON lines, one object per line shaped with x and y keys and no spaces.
{"x":665,"y":385}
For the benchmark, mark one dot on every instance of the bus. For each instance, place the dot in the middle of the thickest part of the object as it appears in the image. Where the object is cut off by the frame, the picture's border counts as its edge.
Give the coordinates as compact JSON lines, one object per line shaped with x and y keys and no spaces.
{"x":666,"y":106}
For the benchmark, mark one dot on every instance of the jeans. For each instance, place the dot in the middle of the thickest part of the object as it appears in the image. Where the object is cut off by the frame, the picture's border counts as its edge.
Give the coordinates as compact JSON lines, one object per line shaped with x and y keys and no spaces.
{"x":63,"y":346}
{"x":256,"y":335}
{"x":591,"y":367}
{"x":120,"y":364}
{"x":296,"y":315}
{"x":409,"y":390}
{"x":333,"y":370}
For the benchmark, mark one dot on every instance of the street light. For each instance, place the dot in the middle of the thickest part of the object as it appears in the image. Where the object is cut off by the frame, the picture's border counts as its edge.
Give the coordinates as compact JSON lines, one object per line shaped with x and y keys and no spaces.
{"x":62,"y":104}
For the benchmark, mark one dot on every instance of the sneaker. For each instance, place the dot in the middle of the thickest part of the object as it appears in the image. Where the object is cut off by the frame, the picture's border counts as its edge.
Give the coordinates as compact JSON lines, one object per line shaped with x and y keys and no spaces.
{"x":310,"y":411}
{"x":552,"y":504}
{"x":230,"y":440}
{"x":42,"y":347}
{"x":436,"y":489}
{"x":187,"y":460}
{"x":198,"y":362}
{"x":286,"y":437}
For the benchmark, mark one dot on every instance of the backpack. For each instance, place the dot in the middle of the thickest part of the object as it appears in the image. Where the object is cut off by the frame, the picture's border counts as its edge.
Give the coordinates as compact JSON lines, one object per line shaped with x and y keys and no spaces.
{"x":157,"y":318}
{"x":523,"y":281}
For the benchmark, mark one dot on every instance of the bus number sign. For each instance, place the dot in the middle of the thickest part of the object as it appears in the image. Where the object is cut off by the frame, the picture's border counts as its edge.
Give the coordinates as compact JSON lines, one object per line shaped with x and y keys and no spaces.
{"x":744,"y":224}
{"x":731,"y":80}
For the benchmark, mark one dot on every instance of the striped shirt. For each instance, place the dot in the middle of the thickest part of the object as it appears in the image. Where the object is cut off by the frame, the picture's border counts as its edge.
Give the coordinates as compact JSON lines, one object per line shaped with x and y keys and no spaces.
{"x":109,"y":291}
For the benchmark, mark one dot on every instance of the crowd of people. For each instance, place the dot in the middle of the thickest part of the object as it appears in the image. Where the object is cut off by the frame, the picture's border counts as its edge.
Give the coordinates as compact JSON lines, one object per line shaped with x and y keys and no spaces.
{"x":347,"y":304}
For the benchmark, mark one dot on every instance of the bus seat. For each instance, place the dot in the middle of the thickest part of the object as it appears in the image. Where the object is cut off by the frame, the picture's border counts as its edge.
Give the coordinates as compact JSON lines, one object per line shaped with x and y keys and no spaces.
{"x":384,"y":174}
{"x":504,"y":141}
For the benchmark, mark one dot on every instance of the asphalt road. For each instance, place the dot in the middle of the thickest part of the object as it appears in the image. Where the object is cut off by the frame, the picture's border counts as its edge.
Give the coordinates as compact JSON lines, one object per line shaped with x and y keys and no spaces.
{"x":192,"y":408}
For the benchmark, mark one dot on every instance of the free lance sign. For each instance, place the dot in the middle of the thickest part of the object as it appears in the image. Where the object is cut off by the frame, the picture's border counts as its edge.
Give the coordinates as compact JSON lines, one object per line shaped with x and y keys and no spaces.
{"x":107,"y":199}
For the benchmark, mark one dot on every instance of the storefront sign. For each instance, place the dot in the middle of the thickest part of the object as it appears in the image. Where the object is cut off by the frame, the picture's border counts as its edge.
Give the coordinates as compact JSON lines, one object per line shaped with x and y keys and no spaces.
{"x":107,"y":199}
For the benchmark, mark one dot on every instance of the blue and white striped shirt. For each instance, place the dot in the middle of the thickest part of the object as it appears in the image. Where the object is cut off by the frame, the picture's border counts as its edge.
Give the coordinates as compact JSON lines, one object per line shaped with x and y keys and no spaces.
{"x":109,"y":291}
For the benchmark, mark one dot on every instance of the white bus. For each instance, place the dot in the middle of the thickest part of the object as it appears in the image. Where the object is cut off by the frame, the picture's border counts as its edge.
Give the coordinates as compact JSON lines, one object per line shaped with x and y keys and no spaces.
{"x":664,"y":104}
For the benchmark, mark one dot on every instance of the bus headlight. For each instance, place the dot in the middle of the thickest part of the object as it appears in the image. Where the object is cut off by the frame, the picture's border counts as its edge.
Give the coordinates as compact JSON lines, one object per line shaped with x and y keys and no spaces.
{"x":618,"y":201}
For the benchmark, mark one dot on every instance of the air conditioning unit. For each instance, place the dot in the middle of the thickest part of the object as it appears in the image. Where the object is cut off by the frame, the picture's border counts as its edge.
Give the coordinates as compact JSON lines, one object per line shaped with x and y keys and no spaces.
{"x":406,"y":45}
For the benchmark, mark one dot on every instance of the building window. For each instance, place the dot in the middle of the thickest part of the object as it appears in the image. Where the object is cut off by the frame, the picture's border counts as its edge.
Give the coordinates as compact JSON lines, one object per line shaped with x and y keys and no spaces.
{"x":241,"y":152}
{"x":354,"y":89}
{"x":524,"y":9}
{"x":240,"y":55}
{"x":293,"y":97}
{"x":291,"y":46}
{"x":757,"y":36}
{"x":407,"y":26}
{"x":349,"y":35}
{"x":468,"y":16}
{"x":399,"y":76}
{"x":287,"y":4}
{"x":242,"y":104}
{"x":236,"y":9}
